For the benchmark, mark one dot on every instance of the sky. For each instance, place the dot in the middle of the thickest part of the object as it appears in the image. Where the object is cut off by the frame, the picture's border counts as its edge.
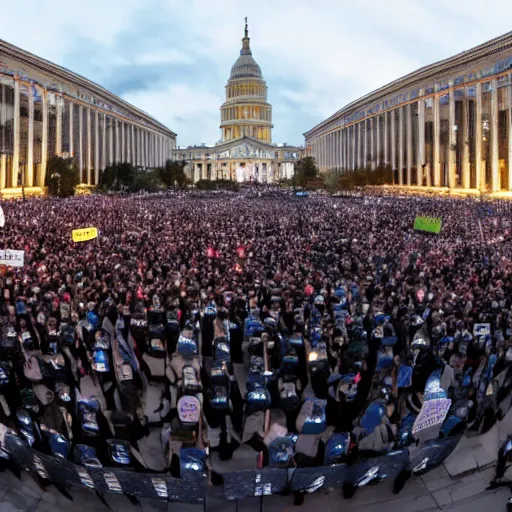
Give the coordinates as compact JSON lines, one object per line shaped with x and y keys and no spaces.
{"x":172,"y":58}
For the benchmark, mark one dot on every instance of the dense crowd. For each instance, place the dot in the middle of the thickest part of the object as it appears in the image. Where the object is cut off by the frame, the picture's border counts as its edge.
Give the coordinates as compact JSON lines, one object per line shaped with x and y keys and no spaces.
{"x":271,"y":313}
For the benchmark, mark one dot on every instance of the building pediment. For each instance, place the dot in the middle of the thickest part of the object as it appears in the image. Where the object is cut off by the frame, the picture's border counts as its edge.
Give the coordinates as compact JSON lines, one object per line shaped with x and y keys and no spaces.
{"x":245,"y":148}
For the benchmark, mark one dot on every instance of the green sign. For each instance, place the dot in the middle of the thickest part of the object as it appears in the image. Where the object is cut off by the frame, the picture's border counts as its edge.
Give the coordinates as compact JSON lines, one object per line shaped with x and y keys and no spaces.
{"x":430,"y":224}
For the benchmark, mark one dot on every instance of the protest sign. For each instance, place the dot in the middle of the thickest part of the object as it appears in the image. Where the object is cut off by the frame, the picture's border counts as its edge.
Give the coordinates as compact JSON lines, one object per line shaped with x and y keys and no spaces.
{"x":428,"y":224}
{"x":2,"y":218}
{"x":432,"y":413}
{"x":84,"y":234}
{"x":12,"y":258}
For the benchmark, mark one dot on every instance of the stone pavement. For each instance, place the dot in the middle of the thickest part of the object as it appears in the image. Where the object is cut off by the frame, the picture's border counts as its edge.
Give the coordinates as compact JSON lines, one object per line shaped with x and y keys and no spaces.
{"x":434,"y":491}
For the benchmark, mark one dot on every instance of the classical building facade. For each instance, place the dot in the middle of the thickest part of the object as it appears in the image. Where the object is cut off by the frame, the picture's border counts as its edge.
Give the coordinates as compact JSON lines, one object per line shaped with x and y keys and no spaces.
{"x":47,"y":110}
{"x":246,"y":151}
{"x":447,"y":125}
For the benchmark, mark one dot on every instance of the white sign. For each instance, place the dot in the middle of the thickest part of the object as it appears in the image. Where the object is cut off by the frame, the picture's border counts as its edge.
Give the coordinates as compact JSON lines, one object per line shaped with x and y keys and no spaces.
{"x":481,"y":329}
{"x":189,"y":409}
{"x":433,"y":412}
{"x":2,"y":218}
{"x":12,"y":258}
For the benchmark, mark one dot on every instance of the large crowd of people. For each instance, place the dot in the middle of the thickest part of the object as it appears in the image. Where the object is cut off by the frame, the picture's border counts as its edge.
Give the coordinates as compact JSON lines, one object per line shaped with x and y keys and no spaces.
{"x":261,"y":318}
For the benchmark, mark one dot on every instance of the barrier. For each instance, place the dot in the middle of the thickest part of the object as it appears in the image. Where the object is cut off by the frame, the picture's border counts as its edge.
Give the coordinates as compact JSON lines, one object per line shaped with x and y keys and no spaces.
{"x":189,"y":489}
{"x":239,"y":485}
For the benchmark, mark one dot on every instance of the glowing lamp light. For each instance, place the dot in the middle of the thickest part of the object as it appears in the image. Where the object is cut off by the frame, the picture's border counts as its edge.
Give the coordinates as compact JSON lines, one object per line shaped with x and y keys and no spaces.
{"x":313,"y":356}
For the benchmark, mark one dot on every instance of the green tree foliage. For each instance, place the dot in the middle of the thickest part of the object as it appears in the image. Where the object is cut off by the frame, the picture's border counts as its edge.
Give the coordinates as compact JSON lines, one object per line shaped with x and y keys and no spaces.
{"x":149,"y":181}
{"x":117,"y":177}
{"x":348,"y":179}
{"x":62,"y":176}
{"x":306,"y":173}
{"x":217,"y":185}
{"x":173,"y":173}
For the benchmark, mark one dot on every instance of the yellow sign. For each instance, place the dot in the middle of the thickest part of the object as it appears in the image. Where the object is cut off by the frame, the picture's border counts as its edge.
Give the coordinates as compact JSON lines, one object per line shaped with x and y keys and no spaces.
{"x":84,"y":234}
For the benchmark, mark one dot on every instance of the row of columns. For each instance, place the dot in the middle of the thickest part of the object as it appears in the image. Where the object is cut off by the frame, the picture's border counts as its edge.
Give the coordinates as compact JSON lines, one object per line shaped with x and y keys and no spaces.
{"x":263,"y":172}
{"x":133,"y":144}
{"x":341,"y":149}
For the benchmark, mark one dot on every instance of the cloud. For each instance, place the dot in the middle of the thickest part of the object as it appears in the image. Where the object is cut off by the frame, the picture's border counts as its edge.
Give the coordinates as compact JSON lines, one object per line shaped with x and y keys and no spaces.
{"x":172,"y":58}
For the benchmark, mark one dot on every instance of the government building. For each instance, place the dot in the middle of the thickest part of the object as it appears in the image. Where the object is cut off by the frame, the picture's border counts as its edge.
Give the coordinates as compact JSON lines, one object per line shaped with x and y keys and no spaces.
{"x":446,"y":126}
{"x":46,"y":110}
{"x":245,"y":152}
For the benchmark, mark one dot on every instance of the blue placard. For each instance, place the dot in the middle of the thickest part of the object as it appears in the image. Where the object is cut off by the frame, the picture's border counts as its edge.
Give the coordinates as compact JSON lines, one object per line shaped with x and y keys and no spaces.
{"x":301,"y":193}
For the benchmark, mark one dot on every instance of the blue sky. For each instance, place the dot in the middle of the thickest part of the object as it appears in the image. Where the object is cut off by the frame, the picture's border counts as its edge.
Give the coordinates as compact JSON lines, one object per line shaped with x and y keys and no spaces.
{"x":172,"y":58}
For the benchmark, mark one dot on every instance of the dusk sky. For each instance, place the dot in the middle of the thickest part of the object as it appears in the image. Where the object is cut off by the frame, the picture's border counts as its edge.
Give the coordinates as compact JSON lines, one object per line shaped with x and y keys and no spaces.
{"x":172,"y":58}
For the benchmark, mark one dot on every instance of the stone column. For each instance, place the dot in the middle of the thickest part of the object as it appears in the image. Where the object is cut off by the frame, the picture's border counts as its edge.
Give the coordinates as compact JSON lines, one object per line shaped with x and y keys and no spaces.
{"x":321,"y":153}
{"x":436,"y":163}
{"x":342,"y":148}
{"x":58,"y":124}
{"x":386,"y":138}
{"x":139,"y":146}
{"x":510,"y":136}
{"x":132,"y":142}
{"x":118,"y":155}
{"x":96,"y":147}
{"x":347,"y":148}
{"x":80,"y":142}
{"x":89,"y":146}
{"x":365,"y":143}
{"x":359,"y":145}
{"x":3,"y":170}
{"x":421,"y":142}
{"x":71,"y":132}
{"x":3,"y":121}
{"x":466,"y":183}
{"x":29,"y":178}
{"x":354,"y":147}
{"x":451,"y":141}
{"x":495,"y":165}
{"x":401,"y":145}
{"x":393,"y":143}
{"x":377,"y":145}
{"x":123,"y":143}
{"x":104,"y":160}
{"x":16,"y":136}
{"x":44,"y":138}
{"x":372,"y":142}
{"x":111,"y":154}
{"x":478,"y":136}
{"x":409,"y":144}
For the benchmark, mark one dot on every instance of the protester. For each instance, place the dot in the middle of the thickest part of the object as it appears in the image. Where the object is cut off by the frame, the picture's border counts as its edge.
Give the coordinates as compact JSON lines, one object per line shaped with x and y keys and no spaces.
{"x":349,"y":276}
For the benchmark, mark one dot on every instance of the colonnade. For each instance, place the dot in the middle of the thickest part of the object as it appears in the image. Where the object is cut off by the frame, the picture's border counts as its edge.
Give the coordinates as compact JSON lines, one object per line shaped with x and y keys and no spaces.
{"x":457,"y":137}
{"x":37,"y":123}
{"x":259,"y":171}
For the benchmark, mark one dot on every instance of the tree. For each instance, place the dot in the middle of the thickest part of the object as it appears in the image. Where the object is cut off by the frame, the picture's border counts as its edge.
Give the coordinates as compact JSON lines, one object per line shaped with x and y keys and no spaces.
{"x":306,"y":172}
{"x":117,"y":177}
{"x":62,"y":176}
{"x":173,"y":173}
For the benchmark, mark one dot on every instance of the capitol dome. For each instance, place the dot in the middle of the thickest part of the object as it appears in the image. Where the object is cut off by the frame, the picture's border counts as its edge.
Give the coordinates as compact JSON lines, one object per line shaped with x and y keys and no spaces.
{"x":245,"y":67}
{"x":246,"y":111}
